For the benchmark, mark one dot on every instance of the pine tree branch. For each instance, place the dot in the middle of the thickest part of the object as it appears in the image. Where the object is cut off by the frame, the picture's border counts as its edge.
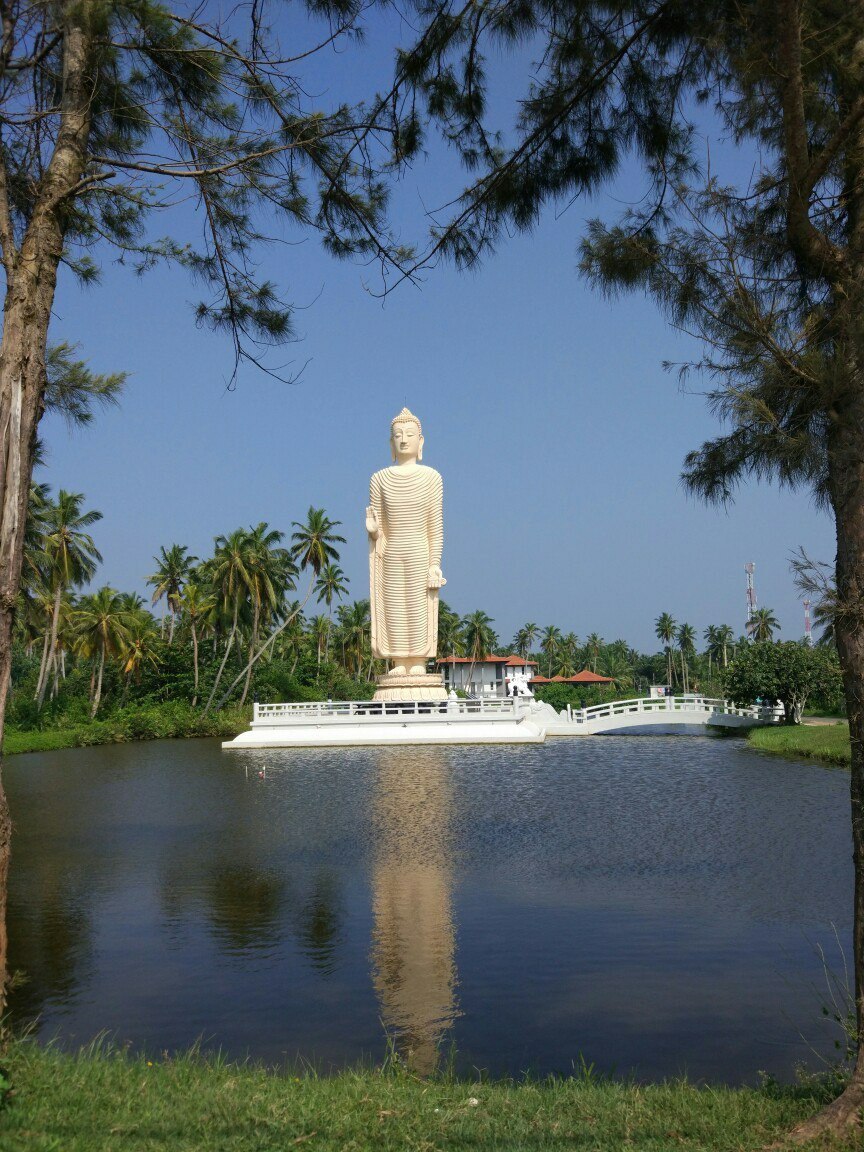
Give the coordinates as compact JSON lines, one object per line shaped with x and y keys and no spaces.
{"x":816,"y":254}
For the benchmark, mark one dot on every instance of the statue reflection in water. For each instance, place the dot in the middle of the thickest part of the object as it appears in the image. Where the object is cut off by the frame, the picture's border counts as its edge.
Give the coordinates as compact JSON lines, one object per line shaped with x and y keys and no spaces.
{"x":413,"y":941}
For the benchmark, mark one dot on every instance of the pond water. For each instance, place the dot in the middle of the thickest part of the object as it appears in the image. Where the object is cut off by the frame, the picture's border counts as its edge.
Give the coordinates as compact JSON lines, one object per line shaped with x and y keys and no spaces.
{"x":655,"y":906}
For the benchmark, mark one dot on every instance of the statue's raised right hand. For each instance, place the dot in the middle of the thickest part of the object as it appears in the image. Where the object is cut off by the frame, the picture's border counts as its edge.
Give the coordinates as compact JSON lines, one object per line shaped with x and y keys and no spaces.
{"x":372,"y":525}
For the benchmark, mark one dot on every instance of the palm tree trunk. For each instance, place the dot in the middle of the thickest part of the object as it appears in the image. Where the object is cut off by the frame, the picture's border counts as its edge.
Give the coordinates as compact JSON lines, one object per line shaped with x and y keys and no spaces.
{"x":252,"y":644}
{"x":52,"y":648}
{"x":268,"y":642}
{"x":172,"y":620}
{"x":43,"y":667}
{"x":98,"y":695}
{"x":55,"y":680}
{"x":225,"y":655}
{"x":194,"y":664}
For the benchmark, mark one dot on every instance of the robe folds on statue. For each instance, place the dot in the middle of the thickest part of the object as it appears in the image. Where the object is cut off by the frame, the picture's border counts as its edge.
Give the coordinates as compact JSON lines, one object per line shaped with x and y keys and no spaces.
{"x":404,"y":609}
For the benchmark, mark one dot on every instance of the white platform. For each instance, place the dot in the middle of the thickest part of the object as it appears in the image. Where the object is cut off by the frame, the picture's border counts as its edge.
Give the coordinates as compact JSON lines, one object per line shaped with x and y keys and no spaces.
{"x":367,"y":722}
{"x":357,"y":723}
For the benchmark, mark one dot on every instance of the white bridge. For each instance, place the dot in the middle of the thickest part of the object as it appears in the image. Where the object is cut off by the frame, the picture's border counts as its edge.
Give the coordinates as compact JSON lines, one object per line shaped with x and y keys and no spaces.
{"x":667,"y":714}
{"x":521,"y":721}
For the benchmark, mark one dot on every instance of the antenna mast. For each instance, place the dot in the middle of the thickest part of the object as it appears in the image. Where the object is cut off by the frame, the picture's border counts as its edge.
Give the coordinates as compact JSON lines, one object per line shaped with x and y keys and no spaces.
{"x":751,"y":597}
{"x":808,"y":629}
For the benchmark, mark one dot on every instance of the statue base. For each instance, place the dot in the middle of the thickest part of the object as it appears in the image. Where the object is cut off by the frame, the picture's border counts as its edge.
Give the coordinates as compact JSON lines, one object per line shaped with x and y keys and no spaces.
{"x":428,"y":686}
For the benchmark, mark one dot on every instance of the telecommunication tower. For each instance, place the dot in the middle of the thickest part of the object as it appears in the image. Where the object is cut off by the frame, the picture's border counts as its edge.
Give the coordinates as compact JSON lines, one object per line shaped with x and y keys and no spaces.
{"x":808,"y":630}
{"x":751,"y":596}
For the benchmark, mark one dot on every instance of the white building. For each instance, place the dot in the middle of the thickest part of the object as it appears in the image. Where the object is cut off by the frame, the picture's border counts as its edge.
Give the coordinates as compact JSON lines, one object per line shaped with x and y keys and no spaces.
{"x":491,"y":676}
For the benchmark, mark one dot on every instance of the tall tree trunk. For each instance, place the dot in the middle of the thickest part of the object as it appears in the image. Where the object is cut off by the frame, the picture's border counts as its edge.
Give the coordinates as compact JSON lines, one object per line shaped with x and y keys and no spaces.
{"x":43,"y":666}
{"x":252,"y":645}
{"x":225,"y":656}
{"x":31,"y":281}
{"x":52,"y":647}
{"x":268,"y":643}
{"x":195,"y":664}
{"x":97,"y":696}
{"x":846,"y":484}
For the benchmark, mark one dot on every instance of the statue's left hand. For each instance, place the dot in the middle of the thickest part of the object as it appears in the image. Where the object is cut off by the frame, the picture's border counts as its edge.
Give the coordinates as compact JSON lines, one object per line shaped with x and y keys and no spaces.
{"x":436,"y":578}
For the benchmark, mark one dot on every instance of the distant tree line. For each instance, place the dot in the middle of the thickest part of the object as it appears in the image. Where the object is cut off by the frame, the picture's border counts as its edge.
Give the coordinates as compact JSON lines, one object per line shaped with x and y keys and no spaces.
{"x":237,"y":625}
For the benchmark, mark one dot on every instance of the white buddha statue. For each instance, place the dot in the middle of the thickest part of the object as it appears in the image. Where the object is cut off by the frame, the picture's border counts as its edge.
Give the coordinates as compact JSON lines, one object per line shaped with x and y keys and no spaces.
{"x":406,"y":534}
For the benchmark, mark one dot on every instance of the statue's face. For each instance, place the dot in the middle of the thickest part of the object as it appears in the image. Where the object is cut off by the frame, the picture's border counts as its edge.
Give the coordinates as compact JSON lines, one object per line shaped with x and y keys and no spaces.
{"x":406,"y":441}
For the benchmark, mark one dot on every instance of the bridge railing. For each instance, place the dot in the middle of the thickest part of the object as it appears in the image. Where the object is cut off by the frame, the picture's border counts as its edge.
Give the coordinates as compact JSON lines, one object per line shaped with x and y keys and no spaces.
{"x":705,"y":705}
{"x":360,"y":711}
{"x":371,"y":711}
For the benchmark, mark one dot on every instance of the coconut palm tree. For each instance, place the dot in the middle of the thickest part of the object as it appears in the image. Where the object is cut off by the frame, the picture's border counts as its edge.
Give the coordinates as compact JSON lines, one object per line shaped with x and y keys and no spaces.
{"x":312,"y":547}
{"x":196,"y":606}
{"x":568,"y":654}
{"x":526,"y":638}
{"x":593,"y":645}
{"x":712,"y":645}
{"x":312,"y":543}
{"x":686,"y":637}
{"x":318,"y":629}
{"x":616,"y":666}
{"x":34,"y":572}
{"x":725,"y":637}
{"x":451,"y":634}
{"x":664,"y":630}
{"x":480,"y":638}
{"x":171,"y":575}
{"x":228,"y":572}
{"x":331,"y":585}
{"x":141,"y":644}
{"x":270,"y":574}
{"x":763,"y":624}
{"x":102,"y":630}
{"x":549,"y":641}
{"x":356,"y":628}
{"x":71,"y":559}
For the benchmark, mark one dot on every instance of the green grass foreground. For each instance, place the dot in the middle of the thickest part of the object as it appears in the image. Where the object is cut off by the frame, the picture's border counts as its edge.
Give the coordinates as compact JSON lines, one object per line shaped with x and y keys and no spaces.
{"x":100,"y":1100}
{"x":135,"y":722}
{"x":828,"y":742}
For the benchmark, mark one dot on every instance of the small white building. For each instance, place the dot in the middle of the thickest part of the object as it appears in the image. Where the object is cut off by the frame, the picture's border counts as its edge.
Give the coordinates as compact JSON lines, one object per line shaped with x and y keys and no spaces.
{"x":493,"y":676}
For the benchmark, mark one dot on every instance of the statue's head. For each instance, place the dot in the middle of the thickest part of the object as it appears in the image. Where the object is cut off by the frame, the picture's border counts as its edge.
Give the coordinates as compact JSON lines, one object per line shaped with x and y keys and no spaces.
{"x":406,"y":437}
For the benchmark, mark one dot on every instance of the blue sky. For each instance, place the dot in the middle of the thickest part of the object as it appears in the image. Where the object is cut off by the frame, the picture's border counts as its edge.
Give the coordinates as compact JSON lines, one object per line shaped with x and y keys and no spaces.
{"x":545,"y":407}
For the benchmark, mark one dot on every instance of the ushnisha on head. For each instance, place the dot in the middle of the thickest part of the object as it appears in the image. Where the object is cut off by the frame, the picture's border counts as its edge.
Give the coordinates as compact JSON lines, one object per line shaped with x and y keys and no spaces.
{"x":406,"y":437}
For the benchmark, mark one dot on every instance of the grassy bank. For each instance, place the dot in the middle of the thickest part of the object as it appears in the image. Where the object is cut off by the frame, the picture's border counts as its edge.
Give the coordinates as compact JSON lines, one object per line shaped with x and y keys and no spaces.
{"x":135,"y":722}
{"x":101,"y":1100}
{"x":828,"y":742}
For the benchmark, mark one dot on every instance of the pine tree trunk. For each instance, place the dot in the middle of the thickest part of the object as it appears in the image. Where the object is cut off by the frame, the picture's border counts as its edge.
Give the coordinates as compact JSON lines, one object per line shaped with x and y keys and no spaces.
{"x":31,"y":281}
{"x":846,"y":485}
